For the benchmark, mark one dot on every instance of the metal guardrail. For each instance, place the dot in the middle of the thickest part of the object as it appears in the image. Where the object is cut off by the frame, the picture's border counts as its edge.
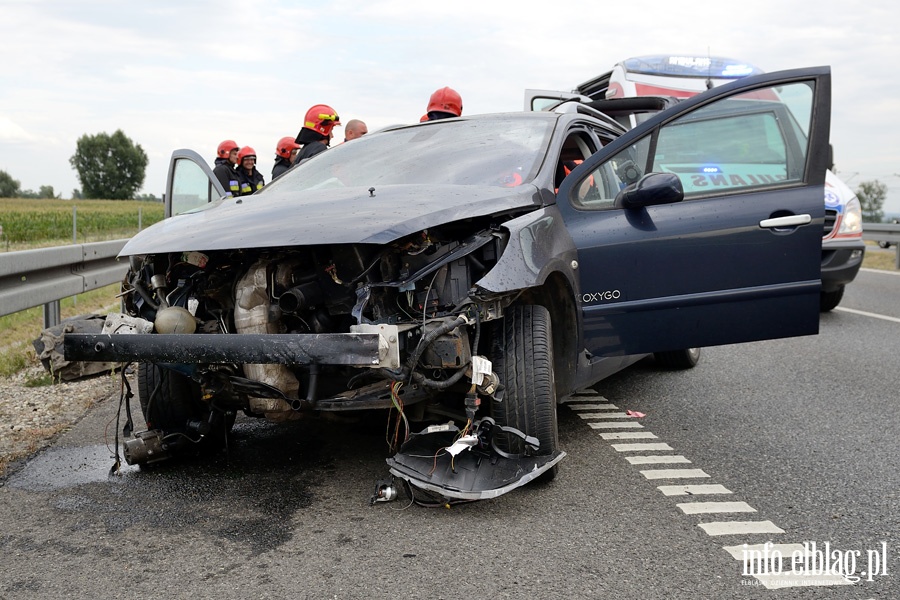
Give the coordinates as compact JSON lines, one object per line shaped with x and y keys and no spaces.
{"x":44,"y":276}
{"x":884,"y":232}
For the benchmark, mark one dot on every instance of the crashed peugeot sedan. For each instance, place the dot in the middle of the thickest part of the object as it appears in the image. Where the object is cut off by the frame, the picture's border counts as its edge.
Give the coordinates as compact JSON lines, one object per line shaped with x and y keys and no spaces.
{"x":473,"y":272}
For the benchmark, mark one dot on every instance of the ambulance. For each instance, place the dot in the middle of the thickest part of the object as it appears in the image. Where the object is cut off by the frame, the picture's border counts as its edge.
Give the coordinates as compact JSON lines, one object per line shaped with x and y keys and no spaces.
{"x":639,"y":87}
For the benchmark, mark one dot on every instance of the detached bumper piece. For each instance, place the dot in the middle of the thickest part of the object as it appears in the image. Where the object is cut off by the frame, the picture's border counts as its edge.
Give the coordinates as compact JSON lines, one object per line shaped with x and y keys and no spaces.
{"x":470,"y":467}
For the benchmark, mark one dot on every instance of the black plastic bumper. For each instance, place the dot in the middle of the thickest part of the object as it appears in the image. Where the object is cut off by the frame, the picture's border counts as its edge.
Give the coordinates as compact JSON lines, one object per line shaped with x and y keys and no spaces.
{"x":841,"y":263}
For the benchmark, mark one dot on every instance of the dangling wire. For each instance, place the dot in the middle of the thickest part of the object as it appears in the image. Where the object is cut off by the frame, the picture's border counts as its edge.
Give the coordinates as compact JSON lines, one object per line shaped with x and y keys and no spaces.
{"x":394,"y":444}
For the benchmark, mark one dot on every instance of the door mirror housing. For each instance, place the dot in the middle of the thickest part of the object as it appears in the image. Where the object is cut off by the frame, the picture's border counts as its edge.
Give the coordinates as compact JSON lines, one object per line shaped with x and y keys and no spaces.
{"x":650,"y":190}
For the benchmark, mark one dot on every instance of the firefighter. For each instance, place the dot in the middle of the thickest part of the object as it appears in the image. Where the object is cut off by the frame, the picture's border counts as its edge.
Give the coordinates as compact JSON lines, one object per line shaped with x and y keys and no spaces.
{"x":249,"y":178}
{"x":316,"y":133}
{"x":284,"y":154}
{"x":226,"y":167}
{"x":444,"y":103}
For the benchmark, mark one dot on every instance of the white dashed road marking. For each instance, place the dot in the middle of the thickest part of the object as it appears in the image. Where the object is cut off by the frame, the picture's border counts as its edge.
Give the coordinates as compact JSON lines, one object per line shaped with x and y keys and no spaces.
{"x":630,"y":435}
{"x":656,"y":459}
{"x":774,"y":581}
{"x":739,"y":527}
{"x":693,"y":490}
{"x":738,"y":552}
{"x":674,"y":473}
{"x":607,"y":415}
{"x":619,"y":425}
{"x":702,"y":508}
{"x":769,"y":578}
{"x":638,"y":447}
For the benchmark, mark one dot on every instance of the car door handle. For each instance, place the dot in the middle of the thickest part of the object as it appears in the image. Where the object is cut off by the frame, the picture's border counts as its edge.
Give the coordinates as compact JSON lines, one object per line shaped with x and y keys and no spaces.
{"x":791,"y":221}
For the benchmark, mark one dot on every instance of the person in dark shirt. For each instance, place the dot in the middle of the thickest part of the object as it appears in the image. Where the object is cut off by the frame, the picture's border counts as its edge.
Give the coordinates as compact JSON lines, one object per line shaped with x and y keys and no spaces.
{"x":225,"y":167}
{"x":249,"y":178}
{"x":316,"y":133}
{"x":444,"y":103}
{"x":284,"y":153}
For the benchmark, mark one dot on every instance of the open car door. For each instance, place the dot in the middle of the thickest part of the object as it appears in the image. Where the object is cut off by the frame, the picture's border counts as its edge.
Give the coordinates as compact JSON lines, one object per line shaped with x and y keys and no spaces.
{"x":703,"y":225}
{"x":191,"y":183}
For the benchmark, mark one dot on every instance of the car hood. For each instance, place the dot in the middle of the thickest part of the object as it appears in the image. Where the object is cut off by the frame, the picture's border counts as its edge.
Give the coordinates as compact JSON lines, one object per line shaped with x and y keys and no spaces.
{"x":334,"y":216}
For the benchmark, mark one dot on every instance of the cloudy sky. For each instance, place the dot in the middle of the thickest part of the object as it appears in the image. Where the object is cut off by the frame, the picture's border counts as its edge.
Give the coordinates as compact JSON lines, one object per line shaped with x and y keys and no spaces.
{"x":187,"y":74}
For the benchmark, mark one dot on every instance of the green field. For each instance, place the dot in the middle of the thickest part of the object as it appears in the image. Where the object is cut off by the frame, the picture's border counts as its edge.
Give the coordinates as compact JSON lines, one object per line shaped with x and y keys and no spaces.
{"x":30,"y":223}
{"x":43,"y":223}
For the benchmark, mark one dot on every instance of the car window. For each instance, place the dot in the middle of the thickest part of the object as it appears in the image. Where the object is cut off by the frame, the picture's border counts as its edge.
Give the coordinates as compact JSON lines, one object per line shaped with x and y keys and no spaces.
{"x":754,"y":140}
{"x":491,"y":152}
{"x":190,"y":186}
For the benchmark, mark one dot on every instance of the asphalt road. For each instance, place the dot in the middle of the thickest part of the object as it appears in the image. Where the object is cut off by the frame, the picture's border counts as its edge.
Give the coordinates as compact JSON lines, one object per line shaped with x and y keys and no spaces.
{"x":803,"y":432}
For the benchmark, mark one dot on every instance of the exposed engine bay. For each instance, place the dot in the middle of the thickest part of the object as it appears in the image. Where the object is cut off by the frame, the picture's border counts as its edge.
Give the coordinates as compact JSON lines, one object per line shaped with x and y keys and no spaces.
{"x":280,"y":334}
{"x":421,"y":286}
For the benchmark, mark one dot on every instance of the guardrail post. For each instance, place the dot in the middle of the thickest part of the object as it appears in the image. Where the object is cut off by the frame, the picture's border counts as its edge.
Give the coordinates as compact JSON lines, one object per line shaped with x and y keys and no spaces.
{"x":51,"y":314}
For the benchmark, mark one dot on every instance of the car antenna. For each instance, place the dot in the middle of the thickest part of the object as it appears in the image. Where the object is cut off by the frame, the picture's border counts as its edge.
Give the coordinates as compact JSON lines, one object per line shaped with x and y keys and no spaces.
{"x":709,"y":83}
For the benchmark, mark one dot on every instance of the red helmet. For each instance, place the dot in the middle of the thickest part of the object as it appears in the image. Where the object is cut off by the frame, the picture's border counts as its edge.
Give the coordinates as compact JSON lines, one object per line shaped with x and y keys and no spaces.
{"x":246,"y":152}
{"x":226,"y":147}
{"x":445,"y":100}
{"x":285,"y":145}
{"x":321,"y":118}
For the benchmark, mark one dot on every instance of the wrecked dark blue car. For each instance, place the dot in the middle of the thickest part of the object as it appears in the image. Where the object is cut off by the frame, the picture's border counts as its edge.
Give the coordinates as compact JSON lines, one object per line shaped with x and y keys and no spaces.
{"x":472,"y":272}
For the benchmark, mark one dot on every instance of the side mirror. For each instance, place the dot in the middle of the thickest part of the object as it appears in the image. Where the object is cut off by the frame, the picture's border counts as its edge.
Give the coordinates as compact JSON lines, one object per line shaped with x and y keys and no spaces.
{"x":651,"y":189}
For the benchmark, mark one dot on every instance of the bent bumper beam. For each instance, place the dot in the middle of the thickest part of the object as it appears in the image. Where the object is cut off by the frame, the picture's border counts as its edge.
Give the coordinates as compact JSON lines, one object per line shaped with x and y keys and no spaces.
{"x":352,"y":349}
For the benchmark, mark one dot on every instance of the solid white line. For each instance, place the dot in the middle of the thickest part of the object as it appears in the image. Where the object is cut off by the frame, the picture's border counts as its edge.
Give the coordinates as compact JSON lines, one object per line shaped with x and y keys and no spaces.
{"x":699,"y":508}
{"x":743,"y":551}
{"x":693,"y":490}
{"x":739,"y":527}
{"x":638,"y":447}
{"x":630,"y":435}
{"x":772,"y":581}
{"x":619,"y":425}
{"x":610,"y":415}
{"x":656,"y":459}
{"x":593,"y":406}
{"x":674,"y":473}
{"x":882,"y":272}
{"x":868,"y":314}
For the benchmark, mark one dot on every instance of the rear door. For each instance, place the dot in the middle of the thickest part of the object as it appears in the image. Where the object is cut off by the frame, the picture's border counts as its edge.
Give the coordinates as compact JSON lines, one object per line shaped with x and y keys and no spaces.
{"x":191,"y":183}
{"x":738,"y":259}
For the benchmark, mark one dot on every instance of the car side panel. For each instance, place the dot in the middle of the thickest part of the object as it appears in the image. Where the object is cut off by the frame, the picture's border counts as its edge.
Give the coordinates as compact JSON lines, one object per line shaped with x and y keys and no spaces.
{"x":704,"y":271}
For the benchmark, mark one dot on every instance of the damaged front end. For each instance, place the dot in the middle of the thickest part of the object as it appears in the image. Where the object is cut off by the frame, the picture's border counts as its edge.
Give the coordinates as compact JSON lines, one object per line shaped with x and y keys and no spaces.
{"x":283,"y":333}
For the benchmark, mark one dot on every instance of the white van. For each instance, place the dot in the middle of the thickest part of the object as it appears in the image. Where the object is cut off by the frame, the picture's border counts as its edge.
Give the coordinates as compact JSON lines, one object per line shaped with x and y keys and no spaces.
{"x":637,"y":88}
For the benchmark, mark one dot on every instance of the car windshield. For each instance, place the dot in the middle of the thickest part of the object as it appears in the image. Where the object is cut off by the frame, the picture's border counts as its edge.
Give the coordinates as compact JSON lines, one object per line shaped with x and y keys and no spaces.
{"x":482,"y":151}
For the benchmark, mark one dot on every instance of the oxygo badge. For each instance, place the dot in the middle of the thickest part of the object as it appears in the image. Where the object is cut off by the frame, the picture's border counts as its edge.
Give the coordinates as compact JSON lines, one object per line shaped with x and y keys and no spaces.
{"x":604,"y":296}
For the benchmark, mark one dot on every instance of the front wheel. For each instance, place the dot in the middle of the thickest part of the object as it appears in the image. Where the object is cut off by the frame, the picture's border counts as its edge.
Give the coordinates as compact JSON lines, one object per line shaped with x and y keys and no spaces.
{"x":522,"y":355}
{"x":171,"y":403}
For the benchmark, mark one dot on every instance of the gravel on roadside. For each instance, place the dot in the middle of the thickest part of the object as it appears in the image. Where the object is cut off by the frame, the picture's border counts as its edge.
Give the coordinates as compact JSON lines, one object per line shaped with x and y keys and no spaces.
{"x":30,"y":417}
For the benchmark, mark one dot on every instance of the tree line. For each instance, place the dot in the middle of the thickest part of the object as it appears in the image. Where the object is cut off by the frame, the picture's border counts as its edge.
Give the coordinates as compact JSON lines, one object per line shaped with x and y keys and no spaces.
{"x":109,"y":167}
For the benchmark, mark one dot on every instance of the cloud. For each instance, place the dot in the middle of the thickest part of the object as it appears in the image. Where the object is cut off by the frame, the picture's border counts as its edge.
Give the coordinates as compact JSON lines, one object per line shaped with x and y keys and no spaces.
{"x":173,"y":74}
{"x":11,"y":132}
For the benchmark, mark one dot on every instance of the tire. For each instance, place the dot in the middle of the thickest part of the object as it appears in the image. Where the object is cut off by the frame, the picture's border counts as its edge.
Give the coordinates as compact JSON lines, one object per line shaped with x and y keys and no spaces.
{"x":169,"y":401}
{"x":678,"y":359}
{"x":829,"y":300}
{"x":522,"y":356}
